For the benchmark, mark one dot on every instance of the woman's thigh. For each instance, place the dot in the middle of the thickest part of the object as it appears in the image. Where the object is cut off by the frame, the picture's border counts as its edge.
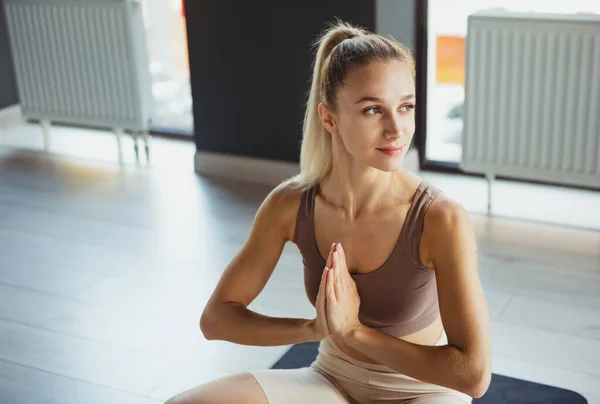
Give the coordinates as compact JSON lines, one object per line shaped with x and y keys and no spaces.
{"x":269,"y":386}
{"x":235,"y":389}
{"x":441,"y":399}
{"x":298,"y":386}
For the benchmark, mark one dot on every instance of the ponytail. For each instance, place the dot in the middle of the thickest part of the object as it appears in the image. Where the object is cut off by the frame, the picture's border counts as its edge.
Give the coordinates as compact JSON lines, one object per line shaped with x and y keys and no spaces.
{"x":340,"y":47}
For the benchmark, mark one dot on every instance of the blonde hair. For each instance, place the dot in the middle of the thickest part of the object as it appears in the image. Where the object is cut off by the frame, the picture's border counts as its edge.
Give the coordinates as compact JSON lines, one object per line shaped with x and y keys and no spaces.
{"x":340,"y":47}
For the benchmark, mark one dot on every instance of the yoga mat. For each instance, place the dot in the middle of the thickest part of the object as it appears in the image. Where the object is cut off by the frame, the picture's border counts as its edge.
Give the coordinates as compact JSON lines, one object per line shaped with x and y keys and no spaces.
{"x":502,"y":390}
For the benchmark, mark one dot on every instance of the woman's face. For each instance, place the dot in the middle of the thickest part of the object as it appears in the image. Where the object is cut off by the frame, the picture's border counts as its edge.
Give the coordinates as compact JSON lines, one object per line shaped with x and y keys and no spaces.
{"x":374,"y":121}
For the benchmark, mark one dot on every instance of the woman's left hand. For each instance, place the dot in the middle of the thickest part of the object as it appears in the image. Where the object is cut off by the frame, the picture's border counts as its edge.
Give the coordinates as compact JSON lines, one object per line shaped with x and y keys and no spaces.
{"x":343,"y":300}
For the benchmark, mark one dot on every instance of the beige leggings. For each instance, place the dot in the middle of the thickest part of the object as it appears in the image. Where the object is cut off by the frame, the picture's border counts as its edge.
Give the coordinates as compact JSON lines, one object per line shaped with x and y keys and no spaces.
{"x":336,"y":378}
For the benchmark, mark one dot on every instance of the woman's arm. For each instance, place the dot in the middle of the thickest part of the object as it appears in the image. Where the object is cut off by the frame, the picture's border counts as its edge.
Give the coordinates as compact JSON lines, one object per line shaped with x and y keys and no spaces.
{"x":241,"y":325}
{"x":465,"y":363}
{"x":226,"y":316}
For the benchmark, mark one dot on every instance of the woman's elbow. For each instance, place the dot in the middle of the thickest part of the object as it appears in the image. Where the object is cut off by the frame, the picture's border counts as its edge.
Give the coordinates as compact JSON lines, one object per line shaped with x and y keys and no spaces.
{"x":478,"y":384}
{"x":207,"y":325}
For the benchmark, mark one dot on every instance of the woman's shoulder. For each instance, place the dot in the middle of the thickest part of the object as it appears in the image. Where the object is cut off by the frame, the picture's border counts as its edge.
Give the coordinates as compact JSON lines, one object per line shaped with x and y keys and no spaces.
{"x":288,"y":193}
{"x":444,"y":217}
{"x":442,"y":209}
{"x":283,"y":203}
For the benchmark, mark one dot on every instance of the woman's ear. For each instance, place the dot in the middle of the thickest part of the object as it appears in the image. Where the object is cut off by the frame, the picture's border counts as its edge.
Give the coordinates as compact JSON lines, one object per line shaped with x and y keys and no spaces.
{"x":327,"y":119}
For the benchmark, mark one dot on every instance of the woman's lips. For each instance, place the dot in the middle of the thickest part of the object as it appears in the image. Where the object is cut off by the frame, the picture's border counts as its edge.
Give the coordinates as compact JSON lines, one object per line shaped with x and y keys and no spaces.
{"x":393,"y":152}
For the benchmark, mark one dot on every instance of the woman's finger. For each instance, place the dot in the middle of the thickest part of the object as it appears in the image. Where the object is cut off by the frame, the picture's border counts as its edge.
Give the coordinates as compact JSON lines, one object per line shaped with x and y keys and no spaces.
{"x":343,"y":273}
{"x":321,"y":294}
{"x":339,"y":274}
{"x":342,"y":256}
{"x":338,"y":286}
{"x":329,"y":258}
{"x":337,"y":263}
{"x":330,"y":288}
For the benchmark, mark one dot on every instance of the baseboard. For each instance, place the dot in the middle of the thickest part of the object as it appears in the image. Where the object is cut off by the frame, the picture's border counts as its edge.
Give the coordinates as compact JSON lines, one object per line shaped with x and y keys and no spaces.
{"x":11,"y":116}
{"x":262,"y":171}
{"x":241,"y":168}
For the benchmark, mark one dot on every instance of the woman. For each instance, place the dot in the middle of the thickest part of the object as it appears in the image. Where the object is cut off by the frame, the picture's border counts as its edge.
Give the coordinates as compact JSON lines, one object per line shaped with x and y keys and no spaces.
{"x":401,"y":315}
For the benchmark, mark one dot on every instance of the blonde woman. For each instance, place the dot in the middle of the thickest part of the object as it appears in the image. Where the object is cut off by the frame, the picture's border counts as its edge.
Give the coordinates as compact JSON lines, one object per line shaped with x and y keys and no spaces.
{"x":390,"y":262}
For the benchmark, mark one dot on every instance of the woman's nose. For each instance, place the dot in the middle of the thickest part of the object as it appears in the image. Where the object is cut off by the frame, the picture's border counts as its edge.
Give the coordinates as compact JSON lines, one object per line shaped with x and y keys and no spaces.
{"x":393,"y":128}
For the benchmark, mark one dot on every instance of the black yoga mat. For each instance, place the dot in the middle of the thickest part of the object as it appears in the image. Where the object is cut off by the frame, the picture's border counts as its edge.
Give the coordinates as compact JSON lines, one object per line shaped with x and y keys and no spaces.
{"x":503,"y":389}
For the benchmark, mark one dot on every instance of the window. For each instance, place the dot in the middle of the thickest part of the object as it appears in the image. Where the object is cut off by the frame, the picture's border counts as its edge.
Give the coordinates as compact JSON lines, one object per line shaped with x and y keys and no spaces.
{"x":166,"y":39}
{"x":447,"y":29}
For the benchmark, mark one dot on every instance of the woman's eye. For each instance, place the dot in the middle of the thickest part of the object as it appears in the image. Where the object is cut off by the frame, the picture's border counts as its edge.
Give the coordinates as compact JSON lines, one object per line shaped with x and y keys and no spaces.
{"x":374,"y":109}
{"x":407,"y":107}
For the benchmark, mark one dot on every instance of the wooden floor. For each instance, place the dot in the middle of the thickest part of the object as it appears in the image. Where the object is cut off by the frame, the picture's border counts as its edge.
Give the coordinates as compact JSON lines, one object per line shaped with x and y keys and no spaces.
{"x":104,"y":273}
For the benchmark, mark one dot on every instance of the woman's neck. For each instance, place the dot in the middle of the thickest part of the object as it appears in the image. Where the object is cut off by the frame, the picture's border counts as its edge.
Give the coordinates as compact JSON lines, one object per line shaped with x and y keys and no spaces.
{"x":364,"y":190}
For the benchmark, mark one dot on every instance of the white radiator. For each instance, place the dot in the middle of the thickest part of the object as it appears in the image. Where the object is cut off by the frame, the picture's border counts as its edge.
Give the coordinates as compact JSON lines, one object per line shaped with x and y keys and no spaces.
{"x":82,"y":62}
{"x":532,"y":97}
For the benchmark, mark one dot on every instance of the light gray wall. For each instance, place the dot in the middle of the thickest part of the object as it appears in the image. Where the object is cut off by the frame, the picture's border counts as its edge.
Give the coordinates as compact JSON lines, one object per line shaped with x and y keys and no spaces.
{"x":396,"y":18}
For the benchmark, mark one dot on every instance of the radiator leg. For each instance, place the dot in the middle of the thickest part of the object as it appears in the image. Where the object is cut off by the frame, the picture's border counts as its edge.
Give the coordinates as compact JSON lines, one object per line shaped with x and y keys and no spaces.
{"x":490,"y":179}
{"x":119,"y":135}
{"x":135,"y":137}
{"x":146,"y":137}
{"x":46,"y":133}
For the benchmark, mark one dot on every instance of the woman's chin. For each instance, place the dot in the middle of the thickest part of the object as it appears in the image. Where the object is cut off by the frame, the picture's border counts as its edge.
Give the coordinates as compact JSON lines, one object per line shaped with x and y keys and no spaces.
{"x":390,"y":165}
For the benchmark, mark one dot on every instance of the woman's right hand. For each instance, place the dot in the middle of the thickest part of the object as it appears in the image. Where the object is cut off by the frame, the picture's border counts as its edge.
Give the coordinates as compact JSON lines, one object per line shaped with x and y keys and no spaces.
{"x":320,"y":322}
